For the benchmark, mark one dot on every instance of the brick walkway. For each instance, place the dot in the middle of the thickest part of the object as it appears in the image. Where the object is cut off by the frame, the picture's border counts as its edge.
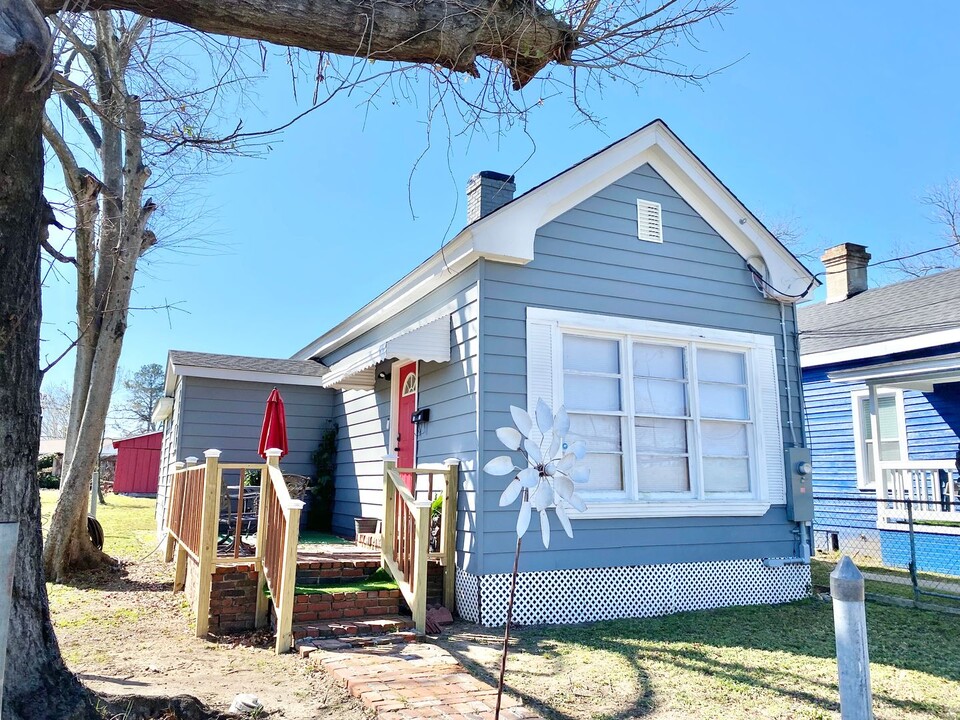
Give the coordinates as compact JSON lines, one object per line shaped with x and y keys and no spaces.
{"x":417,"y":680}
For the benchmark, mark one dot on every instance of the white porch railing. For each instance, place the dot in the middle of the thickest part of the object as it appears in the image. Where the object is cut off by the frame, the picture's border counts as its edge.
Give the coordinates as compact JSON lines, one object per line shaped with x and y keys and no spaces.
{"x":927,"y":490}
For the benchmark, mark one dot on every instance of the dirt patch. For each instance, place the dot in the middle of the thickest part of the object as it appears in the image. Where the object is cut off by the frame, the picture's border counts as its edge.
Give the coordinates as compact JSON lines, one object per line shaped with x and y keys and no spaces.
{"x":126,"y":632}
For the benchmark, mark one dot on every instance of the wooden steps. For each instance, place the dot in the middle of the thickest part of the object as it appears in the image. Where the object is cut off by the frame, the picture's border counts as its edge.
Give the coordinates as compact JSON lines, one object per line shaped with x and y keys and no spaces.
{"x":359,"y":628}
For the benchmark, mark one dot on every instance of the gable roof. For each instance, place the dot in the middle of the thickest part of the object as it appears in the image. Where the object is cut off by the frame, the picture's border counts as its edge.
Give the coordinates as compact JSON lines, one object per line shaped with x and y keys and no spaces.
{"x":508,"y":234}
{"x":910,"y":315}
{"x":241,"y":367}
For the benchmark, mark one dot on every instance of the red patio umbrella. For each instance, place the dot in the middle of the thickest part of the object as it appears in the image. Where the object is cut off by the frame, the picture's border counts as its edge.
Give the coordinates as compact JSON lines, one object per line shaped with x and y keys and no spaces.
{"x":273,"y":434}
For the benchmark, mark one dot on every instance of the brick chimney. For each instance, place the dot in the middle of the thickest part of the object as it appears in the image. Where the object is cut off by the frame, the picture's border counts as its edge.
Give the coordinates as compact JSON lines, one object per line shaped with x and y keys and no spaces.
{"x":487,"y":191}
{"x":846,"y":271}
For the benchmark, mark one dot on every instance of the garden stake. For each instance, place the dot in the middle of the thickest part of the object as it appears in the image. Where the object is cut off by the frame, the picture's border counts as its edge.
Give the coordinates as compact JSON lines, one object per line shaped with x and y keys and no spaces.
{"x":506,"y":632}
{"x":547,"y":481}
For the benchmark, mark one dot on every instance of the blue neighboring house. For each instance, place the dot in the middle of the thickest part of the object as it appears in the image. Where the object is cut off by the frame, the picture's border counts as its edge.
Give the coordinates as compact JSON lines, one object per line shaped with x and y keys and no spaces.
{"x":884,"y":363}
{"x":635,"y":289}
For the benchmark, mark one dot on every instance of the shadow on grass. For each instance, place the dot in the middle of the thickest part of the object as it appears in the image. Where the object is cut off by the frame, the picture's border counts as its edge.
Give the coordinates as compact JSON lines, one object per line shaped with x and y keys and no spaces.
{"x":116,"y":579}
{"x":901,"y":638}
{"x":643,"y":705}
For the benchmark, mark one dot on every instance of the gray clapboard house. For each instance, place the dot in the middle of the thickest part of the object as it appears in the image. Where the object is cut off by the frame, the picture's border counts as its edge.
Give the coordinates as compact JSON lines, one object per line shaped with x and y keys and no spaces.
{"x":634,"y":289}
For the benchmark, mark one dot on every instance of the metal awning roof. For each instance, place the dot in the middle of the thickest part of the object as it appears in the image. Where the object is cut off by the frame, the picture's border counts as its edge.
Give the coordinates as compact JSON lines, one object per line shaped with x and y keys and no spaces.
{"x":428,"y":340}
{"x":919,"y":374}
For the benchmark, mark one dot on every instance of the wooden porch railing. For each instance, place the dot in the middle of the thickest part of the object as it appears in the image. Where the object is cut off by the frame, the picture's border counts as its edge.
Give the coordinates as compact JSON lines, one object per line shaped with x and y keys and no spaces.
{"x":192,"y":524}
{"x":278,"y":530}
{"x":930,"y":486}
{"x":405,"y":544}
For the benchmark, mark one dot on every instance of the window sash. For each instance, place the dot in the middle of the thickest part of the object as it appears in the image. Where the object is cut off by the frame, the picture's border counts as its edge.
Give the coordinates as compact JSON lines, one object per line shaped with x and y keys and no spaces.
{"x":633,"y":456}
{"x":893,"y":444}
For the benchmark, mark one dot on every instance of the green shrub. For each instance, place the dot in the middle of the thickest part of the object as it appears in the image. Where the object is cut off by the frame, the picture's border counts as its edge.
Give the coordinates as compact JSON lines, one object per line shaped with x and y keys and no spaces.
{"x":323,"y":487}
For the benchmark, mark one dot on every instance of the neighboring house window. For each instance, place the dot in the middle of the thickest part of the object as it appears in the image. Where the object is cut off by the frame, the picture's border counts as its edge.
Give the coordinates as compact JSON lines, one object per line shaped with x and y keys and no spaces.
{"x":677,"y":420}
{"x":893,"y":433}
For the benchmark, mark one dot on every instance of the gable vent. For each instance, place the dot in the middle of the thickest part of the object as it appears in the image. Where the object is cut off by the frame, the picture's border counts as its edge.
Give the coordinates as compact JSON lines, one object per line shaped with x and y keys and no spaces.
{"x":649,"y":227}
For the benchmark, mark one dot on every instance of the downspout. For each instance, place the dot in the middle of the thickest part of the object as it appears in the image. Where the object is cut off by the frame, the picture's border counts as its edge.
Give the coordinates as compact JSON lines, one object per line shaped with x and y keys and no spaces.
{"x":786,"y":377}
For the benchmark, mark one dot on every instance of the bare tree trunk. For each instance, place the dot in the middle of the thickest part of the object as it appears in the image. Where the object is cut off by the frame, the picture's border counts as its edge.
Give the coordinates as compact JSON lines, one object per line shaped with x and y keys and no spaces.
{"x":37,"y":684}
{"x":122,"y":233}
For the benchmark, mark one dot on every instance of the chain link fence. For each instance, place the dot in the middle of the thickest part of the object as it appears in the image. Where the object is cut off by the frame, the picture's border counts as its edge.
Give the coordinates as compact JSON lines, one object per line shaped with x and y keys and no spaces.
{"x":905,"y":548}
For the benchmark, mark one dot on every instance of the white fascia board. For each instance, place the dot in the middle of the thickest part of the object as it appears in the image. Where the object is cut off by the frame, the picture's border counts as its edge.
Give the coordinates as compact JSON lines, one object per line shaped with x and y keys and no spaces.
{"x":943,"y":369}
{"x":887,"y":347}
{"x":508,"y":235}
{"x":169,"y":378}
{"x":247,"y":376}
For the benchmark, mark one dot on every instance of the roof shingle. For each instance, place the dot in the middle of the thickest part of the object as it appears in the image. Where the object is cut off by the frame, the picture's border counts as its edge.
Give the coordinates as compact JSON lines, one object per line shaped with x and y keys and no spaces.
{"x":915,"y":307}
{"x":306,"y":368}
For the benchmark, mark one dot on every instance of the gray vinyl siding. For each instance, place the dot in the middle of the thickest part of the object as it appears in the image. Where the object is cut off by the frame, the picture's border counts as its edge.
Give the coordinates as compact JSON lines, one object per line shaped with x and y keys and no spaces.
{"x":228,"y":414}
{"x":448,"y":389}
{"x":590,"y":260}
{"x":168,"y":456}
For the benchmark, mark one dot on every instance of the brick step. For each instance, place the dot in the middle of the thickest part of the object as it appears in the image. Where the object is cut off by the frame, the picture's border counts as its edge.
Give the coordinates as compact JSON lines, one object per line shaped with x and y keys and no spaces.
{"x":347,"y":642}
{"x":325,"y":570}
{"x":364,"y":627}
{"x":346,"y":605}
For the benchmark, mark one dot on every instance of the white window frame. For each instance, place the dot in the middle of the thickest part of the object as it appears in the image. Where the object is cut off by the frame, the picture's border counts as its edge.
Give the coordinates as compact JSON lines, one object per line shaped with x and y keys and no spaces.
{"x":856,"y":397}
{"x":631,"y":502}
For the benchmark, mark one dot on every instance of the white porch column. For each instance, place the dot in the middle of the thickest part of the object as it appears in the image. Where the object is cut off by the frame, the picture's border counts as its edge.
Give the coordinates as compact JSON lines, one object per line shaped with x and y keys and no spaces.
{"x":875,"y":445}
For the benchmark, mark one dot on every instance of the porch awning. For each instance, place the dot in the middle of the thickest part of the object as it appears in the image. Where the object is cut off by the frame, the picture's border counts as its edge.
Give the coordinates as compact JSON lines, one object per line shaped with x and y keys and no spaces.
{"x":919,"y":374}
{"x":428,"y":340}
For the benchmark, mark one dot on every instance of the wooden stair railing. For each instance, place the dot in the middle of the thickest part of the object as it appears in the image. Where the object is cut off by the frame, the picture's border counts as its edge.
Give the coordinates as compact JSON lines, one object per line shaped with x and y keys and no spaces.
{"x":192,"y":525}
{"x":405,"y":544}
{"x":278,"y":530}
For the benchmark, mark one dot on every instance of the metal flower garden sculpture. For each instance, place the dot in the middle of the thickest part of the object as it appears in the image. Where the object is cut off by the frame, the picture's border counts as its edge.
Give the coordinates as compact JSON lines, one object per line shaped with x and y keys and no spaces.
{"x":547,"y":482}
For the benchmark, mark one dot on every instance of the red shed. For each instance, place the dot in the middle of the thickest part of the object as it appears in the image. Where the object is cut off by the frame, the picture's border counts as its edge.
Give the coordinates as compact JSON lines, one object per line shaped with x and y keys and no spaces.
{"x":138,"y":464}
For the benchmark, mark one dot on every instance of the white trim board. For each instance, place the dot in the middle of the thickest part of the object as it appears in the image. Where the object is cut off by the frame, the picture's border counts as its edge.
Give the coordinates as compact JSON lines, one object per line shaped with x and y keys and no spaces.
{"x":856,"y":397}
{"x":887,"y":347}
{"x":247,"y":375}
{"x":545,"y":380}
{"x":508,"y":234}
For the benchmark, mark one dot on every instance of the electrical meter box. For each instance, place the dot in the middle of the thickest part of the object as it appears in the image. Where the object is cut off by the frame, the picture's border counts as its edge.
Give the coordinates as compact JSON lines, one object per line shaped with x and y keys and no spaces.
{"x":799,"y":484}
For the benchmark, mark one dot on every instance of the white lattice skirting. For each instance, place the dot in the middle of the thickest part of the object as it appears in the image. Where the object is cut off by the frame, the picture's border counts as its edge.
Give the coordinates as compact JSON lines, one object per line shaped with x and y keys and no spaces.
{"x":588,"y":594}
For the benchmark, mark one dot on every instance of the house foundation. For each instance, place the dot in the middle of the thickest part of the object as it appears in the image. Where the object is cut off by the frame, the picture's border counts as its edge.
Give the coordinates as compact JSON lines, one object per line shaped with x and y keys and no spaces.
{"x":591,"y":594}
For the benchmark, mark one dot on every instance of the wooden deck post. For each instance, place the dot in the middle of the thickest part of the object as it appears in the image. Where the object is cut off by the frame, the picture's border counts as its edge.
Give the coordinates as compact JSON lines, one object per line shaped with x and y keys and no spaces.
{"x":388,"y":528}
{"x":208,"y":539}
{"x":448,"y":533}
{"x":418,"y":608}
{"x":263,"y":606}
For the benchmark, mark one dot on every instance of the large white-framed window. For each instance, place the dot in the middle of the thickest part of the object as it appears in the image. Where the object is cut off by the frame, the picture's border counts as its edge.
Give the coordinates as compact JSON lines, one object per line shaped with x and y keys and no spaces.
{"x":893,"y":432}
{"x":678,"y":420}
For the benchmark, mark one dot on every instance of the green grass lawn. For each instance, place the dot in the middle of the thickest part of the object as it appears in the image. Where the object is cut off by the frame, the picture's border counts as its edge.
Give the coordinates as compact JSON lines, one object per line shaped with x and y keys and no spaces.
{"x":129,"y":527}
{"x":734,"y":663}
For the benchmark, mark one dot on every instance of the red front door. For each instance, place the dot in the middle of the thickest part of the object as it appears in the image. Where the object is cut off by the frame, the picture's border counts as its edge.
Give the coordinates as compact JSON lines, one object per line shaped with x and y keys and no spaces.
{"x":406,"y":431}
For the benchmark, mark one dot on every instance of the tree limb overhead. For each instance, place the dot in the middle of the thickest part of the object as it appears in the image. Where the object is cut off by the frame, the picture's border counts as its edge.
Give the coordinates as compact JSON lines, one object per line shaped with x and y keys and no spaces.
{"x":452,"y":34}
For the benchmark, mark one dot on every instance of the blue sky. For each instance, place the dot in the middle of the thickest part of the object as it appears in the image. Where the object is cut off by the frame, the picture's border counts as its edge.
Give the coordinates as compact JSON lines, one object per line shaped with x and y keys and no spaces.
{"x":839,"y":115}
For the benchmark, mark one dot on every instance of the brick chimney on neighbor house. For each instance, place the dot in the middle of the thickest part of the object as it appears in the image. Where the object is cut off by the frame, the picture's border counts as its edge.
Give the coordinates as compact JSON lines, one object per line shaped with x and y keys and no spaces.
{"x":846,"y":271}
{"x":487,"y":191}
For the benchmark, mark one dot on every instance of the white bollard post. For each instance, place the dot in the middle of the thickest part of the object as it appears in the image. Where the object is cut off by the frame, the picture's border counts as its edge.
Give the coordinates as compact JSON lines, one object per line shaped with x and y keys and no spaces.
{"x":850,"y":626}
{"x":8,"y":552}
